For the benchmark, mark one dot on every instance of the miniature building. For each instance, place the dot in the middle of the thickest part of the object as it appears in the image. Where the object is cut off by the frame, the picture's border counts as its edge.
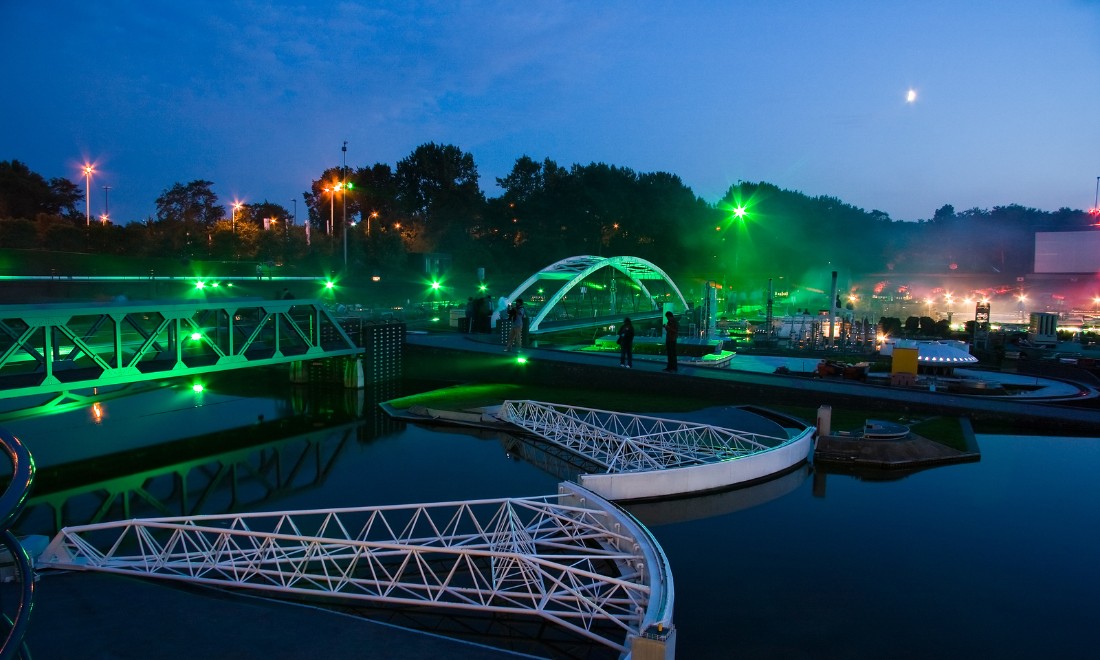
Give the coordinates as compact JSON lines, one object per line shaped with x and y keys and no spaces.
{"x":1042,"y":331}
{"x":937,"y":358}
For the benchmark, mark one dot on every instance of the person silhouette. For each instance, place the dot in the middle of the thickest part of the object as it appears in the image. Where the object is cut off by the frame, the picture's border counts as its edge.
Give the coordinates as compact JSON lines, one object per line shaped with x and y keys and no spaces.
{"x":626,"y":344}
{"x":518,"y":316}
{"x":672,"y":330}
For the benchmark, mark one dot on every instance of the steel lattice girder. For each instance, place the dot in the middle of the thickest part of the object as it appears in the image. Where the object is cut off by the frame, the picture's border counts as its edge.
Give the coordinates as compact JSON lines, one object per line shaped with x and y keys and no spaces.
{"x":547,"y":556}
{"x":61,"y":347}
{"x":622,"y":442}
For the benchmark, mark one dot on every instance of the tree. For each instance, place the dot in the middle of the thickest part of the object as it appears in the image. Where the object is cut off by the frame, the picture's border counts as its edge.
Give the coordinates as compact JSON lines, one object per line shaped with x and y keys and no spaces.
{"x":890,"y":325}
{"x":58,"y":235}
{"x":944,"y":214}
{"x":194,"y":205}
{"x":374,"y":192}
{"x":18,"y":233}
{"x":257,"y":212}
{"x":26,"y":194}
{"x":524,"y":182}
{"x":438,"y":185}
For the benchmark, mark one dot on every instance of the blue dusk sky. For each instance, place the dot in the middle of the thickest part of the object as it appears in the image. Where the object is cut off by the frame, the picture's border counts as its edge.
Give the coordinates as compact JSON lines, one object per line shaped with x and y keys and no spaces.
{"x":258,"y":97}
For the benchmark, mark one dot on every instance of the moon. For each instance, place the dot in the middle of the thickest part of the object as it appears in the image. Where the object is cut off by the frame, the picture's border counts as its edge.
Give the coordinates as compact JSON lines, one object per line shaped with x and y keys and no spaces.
{"x":911,"y":96}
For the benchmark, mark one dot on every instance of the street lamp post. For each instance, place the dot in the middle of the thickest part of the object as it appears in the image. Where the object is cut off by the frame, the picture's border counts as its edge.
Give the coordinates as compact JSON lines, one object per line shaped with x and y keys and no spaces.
{"x":88,"y":169}
{"x":344,"y":200}
{"x":106,"y":204}
{"x":294,"y":218}
{"x":233,"y":217}
{"x":332,"y":207}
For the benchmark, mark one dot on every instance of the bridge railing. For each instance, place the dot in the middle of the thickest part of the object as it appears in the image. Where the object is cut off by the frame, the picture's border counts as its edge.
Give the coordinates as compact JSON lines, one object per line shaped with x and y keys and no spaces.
{"x":12,"y":502}
{"x":62,"y":347}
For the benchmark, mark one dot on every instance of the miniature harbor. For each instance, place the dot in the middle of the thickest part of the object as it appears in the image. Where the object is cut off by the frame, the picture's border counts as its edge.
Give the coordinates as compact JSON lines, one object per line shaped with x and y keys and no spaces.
{"x":887,"y":445}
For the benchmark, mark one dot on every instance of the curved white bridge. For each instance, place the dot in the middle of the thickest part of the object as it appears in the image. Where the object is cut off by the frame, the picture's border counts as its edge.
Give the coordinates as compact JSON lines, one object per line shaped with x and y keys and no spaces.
{"x":648,"y":457}
{"x":573,"y":559}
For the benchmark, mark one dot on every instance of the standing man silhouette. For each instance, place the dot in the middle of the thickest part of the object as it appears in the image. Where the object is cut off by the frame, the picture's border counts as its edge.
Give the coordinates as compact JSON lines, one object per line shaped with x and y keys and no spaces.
{"x":518,"y":318}
{"x":626,"y":343}
{"x":672,"y":329}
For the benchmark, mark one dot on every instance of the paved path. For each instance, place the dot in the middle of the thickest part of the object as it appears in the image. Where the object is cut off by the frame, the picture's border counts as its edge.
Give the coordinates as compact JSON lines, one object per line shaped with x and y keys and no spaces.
{"x":601,"y":369}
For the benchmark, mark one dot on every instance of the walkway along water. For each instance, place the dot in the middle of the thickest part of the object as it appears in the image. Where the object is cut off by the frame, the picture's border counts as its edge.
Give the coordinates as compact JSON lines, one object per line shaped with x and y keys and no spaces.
{"x":445,"y":356}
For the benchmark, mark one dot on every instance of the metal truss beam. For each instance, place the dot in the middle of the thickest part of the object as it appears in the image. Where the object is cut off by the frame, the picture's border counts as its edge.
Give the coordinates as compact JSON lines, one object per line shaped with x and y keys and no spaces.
{"x":621,"y":442}
{"x":55,"y":348}
{"x":572,"y":559}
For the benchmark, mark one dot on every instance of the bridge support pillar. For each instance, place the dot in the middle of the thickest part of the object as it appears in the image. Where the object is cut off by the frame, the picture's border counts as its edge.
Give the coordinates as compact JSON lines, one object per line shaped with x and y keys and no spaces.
{"x":824,"y":420}
{"x":353,"y":373}
{"x":299,"y":372}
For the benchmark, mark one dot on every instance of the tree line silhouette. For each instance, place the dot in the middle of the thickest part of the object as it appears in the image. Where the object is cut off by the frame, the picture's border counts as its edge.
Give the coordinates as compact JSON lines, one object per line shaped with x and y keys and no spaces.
{"x":432,"y":202}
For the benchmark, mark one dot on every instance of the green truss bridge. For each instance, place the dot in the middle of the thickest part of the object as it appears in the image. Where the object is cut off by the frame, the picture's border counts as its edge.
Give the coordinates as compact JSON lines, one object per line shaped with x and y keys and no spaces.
{"x":57,"y":349}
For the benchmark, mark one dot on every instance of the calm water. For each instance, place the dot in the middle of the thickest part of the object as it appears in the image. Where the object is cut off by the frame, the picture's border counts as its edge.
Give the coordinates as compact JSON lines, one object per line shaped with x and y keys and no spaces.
{"x":991,"y":559}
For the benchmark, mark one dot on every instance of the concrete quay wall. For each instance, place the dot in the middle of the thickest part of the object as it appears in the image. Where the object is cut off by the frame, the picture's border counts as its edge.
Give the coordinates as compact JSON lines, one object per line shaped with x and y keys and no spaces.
{"x":444,"y":360}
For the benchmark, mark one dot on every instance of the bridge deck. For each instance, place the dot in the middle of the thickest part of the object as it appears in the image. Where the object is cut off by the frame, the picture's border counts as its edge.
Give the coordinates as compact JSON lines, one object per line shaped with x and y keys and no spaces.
{"x":57,"y":348}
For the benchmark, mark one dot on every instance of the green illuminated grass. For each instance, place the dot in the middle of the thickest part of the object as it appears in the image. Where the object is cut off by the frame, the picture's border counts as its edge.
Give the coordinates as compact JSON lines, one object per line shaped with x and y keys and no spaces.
{"x":944,"y":430}
{"x":464,"y":397}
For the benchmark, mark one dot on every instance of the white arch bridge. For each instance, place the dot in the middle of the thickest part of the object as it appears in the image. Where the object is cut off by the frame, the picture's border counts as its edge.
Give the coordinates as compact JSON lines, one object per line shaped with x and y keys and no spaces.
{"x":572,"y":305}
{"x":573,"y":559}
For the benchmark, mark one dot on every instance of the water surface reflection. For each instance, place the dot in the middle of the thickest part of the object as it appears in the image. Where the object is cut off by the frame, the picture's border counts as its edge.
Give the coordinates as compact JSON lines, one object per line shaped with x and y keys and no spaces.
{"x":992,"y":558}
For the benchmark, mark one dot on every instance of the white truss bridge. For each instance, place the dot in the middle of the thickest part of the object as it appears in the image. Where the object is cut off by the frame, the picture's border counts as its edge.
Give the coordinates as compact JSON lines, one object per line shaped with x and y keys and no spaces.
{"x":573,"y":559}
{"x":621,"y":442}
{"x":646,"y":457}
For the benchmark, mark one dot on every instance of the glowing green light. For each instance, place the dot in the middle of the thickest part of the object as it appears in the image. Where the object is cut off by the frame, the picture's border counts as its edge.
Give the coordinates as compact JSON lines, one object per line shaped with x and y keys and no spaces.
{"x":435,"y":286}
{"x":739,"y":212}
{"x":435,"y":319}
{"x":215,"y":285}
{"x":197,"y":387}
{"x":349,"y":185}
{"x":330,"y":284}
{"x":521,"y":360}
{"x":200,"y":285}
{"x":482,"y":288}
{"x":196,"y":336}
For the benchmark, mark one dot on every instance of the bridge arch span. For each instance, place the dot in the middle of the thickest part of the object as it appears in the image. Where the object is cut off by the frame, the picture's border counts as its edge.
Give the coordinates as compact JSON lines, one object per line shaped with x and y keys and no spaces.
{"x":574,"y":270}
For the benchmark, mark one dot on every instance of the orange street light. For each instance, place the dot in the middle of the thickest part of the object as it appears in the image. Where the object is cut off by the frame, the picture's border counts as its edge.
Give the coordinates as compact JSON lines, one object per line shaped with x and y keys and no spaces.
{"x":88,"y":169}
